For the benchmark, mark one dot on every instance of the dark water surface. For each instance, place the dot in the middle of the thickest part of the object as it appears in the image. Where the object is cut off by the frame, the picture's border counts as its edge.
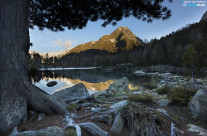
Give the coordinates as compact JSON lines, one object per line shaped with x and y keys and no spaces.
{"x":93,"y":78}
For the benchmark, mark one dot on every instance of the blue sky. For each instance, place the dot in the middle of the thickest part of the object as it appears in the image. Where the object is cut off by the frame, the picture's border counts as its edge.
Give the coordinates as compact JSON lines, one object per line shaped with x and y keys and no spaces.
{"x":48,"y":41}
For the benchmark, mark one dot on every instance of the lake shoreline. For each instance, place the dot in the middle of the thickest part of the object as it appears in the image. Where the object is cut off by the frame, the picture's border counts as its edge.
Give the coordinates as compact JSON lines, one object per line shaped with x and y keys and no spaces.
{"x":108,"y":111}
{"x":130,"y":67}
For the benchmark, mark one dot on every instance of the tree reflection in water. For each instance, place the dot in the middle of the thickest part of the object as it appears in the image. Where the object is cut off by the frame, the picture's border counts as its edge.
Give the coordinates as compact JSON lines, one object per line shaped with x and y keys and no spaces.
{"x":93,"y":79}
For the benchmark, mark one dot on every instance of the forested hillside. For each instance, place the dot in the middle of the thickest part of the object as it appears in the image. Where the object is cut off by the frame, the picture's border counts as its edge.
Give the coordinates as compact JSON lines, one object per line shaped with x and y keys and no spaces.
{"x":167,"y":50}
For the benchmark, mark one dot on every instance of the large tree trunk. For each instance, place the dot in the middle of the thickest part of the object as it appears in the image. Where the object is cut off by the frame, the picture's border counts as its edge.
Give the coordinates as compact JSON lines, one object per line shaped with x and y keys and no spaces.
{"x":17,"y":94}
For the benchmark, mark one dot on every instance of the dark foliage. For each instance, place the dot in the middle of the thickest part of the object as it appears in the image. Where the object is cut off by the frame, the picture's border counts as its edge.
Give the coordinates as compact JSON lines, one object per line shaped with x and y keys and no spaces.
{"x":57,"y":15}
{"x":181,"y":96}
{"x":163,"y":90}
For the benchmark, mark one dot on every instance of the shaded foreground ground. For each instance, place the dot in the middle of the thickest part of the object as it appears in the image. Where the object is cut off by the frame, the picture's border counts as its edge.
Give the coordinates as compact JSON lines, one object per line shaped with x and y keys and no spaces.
{"x":180,"y":116}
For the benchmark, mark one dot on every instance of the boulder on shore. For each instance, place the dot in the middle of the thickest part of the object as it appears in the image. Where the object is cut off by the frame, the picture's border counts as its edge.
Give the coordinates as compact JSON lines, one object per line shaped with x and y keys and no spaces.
{"x":140,"y":73}
{"x":51,"y":83}
{"x":78,"y":90}
{"x":120,"y":86}
{"x":198,"y":105}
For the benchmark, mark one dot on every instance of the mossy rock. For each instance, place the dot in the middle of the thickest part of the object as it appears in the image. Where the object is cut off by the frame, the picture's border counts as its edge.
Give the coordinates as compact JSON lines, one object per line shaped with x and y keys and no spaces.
{"x":70,"y":132}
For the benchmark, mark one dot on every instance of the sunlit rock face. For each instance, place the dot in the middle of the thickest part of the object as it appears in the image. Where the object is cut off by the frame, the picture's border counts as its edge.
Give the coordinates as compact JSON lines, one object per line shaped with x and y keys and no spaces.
{"x":122,"y":38}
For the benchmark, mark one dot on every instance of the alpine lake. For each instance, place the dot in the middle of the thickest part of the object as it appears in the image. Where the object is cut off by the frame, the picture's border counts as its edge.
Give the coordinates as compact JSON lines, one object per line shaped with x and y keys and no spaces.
{"x":94,"y":79}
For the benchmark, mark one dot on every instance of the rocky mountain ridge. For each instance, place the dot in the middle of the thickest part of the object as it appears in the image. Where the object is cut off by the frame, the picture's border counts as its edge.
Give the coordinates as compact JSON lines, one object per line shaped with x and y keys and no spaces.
{"x":121,"y":39}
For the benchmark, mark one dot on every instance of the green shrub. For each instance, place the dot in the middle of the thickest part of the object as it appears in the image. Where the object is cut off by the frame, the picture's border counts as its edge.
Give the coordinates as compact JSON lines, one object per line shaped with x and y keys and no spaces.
{"x":71,"y":107}
{"x":181,"y":96}
{"x":145,"y":98}
{"x":163,"y":90}
{"x":70,"y":132}
{"x":150,"y":86}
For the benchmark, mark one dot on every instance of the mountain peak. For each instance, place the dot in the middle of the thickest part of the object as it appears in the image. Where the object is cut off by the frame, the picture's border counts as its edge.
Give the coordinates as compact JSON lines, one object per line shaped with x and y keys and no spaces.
{"x":204,"y":17}
{"x":123,"y":28}
{"x":120,"y":39}
{"x":123,"y":32}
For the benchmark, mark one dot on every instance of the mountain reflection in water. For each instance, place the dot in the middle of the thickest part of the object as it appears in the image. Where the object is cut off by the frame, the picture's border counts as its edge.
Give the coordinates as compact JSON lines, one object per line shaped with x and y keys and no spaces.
{"x":93,"y":79}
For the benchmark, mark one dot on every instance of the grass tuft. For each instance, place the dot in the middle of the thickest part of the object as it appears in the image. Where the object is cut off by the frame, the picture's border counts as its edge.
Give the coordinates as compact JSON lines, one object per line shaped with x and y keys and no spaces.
{"x":72,"y":107}
{"x":150,"y":86}
{"x":163,"y":90}
{"x":145,"y":98}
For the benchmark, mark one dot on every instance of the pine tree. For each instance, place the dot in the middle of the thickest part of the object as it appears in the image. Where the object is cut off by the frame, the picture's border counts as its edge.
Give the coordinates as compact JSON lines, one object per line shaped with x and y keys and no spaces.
{"x":191,"y":62}
{"x":18,"y":15}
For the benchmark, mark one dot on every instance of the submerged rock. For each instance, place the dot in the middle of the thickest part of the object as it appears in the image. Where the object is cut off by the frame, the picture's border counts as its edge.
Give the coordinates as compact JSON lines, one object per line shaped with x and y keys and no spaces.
{"x":50,"y":131}
{"x":78,"y":90}
{"x":51,"y":83}
{"x":120,"y":86}
{"x":198,"y":105}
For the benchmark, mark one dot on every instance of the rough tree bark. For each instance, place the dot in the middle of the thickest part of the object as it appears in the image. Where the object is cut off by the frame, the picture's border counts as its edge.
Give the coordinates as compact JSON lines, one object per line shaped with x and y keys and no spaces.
{"x":17,"y":93}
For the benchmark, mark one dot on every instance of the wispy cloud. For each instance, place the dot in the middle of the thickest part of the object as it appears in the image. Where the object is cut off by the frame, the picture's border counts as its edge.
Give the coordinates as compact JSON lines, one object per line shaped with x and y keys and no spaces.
{"x":67,"y":43}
